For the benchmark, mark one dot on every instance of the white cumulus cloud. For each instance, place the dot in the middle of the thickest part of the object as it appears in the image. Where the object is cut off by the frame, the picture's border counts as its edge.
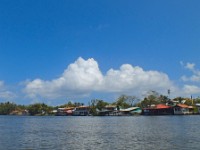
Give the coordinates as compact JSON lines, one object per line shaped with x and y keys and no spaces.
{"x":134,"y":79}
{"x":191,"y":89}
{"x":195,"y":77}
{"x":80,"y":78}
{"x":190,"y":66}
{"x":83,"y":77}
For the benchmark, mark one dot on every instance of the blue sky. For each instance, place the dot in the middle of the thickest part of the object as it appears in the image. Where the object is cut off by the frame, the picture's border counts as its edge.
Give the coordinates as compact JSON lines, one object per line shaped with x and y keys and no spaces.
{"x":55,"y":51}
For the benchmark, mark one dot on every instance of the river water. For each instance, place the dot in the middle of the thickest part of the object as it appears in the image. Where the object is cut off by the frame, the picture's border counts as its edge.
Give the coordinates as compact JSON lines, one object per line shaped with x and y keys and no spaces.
{"x":99,"y":133}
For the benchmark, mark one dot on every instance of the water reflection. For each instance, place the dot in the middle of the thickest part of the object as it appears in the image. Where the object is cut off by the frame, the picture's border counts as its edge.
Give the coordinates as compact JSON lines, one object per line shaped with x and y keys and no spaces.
{"x":141,"y":132}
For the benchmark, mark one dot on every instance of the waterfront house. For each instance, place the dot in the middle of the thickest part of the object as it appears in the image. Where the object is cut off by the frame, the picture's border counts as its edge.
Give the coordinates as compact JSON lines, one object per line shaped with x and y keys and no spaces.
{"x":130,"y":111}
{"x":108,"y":110}
{"x":181,"y":109}
{"x":65,"y":111}
{"x":81,"y":111}
{"x":160,"y":109}
{"x":61,"y":112}
{"x":191,"y":109}
{"x":198,"y":107}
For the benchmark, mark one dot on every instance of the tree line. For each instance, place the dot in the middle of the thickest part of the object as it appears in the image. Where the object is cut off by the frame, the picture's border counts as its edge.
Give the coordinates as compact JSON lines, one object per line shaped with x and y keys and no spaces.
{"x":123,"y":101}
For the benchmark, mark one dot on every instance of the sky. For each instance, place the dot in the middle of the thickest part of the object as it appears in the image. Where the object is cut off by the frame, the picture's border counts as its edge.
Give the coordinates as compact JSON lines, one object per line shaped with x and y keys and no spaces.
{"x":59,"y":51}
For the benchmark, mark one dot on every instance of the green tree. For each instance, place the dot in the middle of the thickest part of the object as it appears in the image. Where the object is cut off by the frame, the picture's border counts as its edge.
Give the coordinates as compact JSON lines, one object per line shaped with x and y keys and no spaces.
{"x":178,"y":99}
{"x":92,"y":105}
{"x":152,"y":97}
{"x":35,"y":109}
{"x":189,"y":101}
{"x":163,"y":99}
{"x":144,"y":103}
{"x":197,"y":100}
{"x":39,"y":109}
{"x":125,"y":101}
{"x":7,"y":107}
{"x":185,"y":100}
{"x":96,"y":104}
{"x":131,"y":100}
{"x":101,"y":104}
{"x":69,"y":104}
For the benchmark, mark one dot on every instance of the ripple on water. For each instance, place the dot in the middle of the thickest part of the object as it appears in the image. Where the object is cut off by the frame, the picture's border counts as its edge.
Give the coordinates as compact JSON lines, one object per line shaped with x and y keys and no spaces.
{"x":141,"y":132}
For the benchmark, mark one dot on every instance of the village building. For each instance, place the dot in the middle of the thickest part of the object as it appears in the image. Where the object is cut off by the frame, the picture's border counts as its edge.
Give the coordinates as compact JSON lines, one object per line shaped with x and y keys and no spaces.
{"x":160,"y":109}
{"x":198,"y":107}
{"x":65,"y":111}
{"x":109,"y":110}
{"x":181,"y":109}
{"x":81,"y":111}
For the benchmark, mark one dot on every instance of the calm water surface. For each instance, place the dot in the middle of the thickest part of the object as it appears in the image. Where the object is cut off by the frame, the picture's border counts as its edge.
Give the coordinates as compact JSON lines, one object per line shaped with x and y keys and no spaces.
{"x":100,"y":133}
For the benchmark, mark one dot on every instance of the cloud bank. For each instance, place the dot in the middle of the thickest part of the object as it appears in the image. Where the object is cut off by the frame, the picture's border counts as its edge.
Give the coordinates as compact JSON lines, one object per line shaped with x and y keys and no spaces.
{"x":5,"y":94}
{"x":191,"y":85}
{"x":195,"y":77}
{"x":84,"y":77}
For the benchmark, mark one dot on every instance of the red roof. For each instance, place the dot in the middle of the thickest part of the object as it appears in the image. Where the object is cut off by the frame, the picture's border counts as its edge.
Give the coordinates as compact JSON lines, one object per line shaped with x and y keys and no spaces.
{"x":182,"y":105}
{"x":162,"y":106}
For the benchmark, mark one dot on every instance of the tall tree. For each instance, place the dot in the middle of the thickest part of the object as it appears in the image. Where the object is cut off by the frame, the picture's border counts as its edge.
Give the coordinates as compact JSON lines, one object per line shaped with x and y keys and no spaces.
{"x":125,"y":101}
{"x":39,"y":109}
{"x":101,"y":104}
{"x":7,"y":107}
{"x":151,"y":98}
{"x":163,"y":99}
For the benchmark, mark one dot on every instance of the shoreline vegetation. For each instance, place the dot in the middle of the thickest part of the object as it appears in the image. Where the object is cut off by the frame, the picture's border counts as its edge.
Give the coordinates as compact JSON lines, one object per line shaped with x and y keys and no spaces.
{"x":152,"y":104}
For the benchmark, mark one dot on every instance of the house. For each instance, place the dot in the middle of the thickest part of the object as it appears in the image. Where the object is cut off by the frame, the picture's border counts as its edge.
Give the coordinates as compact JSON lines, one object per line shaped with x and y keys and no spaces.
{"x":181,"y":109}
{"x":198,"y":107}
{"x":81,"y":111}
{"x":191,"y":109}
{"x":160,"y":109}
{"x":130,"y":111}
{"x":109,"y":110}
{"x":65,"y":111}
